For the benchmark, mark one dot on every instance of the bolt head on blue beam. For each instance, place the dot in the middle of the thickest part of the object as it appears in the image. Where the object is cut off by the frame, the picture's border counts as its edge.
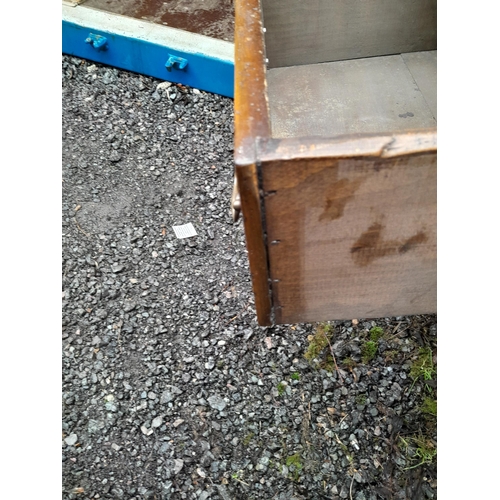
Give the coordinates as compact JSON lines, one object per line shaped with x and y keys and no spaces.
{"x":97,"y":41}
{"x":173,"y":60}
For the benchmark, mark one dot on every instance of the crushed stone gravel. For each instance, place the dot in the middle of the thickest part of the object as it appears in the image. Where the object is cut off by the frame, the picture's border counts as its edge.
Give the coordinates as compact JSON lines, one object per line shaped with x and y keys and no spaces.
{"x":170,"y":389}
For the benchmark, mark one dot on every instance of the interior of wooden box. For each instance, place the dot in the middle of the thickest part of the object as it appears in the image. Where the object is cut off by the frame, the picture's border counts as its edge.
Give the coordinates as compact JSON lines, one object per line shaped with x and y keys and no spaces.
{"x":340,"y":68}
{"x":382,"y":94}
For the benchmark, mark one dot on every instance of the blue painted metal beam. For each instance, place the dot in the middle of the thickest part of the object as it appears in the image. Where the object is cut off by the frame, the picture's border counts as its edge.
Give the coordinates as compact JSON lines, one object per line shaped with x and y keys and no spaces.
{"x":154,"y":50}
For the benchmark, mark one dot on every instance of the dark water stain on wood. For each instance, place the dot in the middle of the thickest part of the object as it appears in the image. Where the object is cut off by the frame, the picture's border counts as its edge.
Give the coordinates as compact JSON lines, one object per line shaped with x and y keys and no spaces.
{"x":337,"y":196}
{"x":412,"y":242}
{"x":371,"y":246}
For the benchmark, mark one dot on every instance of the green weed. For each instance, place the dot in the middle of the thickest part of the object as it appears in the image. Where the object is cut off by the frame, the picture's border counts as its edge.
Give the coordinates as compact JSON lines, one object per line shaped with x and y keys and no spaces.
{"x":429,"y":406}
{"x":390,"y":356}
{"x":318,"y":341}
{"x":248,"y":438}
{"x":349,"y":363}
{"x":376,"y":333}
{"x":361,"y":399}
{"x":423,"y":366}
{"x":295,"y":461}
{"x":369,"y":350}
{"x":318,"y":347}
{"x":420,"y":449}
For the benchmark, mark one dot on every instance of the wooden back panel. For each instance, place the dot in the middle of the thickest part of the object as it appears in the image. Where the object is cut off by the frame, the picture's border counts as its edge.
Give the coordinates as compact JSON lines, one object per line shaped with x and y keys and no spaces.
{"x":315,"y":31}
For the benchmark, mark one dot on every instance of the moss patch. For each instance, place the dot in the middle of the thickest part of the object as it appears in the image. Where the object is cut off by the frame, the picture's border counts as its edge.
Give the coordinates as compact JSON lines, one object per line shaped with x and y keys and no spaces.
{"x":369,"y":350}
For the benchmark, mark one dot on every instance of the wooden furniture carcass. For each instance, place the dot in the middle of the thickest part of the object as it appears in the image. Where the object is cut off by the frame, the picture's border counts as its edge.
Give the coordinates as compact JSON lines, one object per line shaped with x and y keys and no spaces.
{"x":335,"y":156}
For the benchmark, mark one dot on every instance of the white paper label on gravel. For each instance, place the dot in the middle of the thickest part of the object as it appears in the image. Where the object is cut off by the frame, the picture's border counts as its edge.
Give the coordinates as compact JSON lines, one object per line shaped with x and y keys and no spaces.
{"x":185,"y":231}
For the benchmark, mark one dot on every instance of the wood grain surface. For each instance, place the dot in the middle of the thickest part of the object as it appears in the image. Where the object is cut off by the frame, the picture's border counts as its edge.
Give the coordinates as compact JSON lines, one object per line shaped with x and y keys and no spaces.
{"x":251,"y":118}
{"x":300,"y":32}
{"x":351,"y":238}
{"x":348,"y":146}
{"x":251,"y":112}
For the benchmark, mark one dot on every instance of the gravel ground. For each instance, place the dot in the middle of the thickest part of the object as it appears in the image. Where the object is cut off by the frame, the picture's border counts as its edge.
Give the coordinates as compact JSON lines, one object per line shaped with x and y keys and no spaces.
{"x":170,"y":388}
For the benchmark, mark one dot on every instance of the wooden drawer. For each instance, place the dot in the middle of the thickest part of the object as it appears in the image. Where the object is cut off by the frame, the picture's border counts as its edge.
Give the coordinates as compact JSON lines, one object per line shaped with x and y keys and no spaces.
{"x":335,"y":156}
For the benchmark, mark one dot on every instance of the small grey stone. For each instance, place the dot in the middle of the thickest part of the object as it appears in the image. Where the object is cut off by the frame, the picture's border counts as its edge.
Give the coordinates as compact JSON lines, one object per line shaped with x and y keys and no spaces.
{"x":71,"y":439}
{"x":178,"y":465}
{"x":358,"y":477}
{"x":115,"y":156}
{"x":429,"y":492}
{"x":129,"y":305}
{"x":167,"y":486}
{"x":217,"y":403}
{"x":108,"y":78}
{"x":344,"y":492}
{"x":157,"y":422}
{"x":110,"y":406}
{"x":94,"y":426}
{"x":169,"y":394}
{"x":223,"y":492}
{"x":146,"y":431}
{"x":163,"y":85}
{"x":101,"y":313}
{"x":117,"y":493}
